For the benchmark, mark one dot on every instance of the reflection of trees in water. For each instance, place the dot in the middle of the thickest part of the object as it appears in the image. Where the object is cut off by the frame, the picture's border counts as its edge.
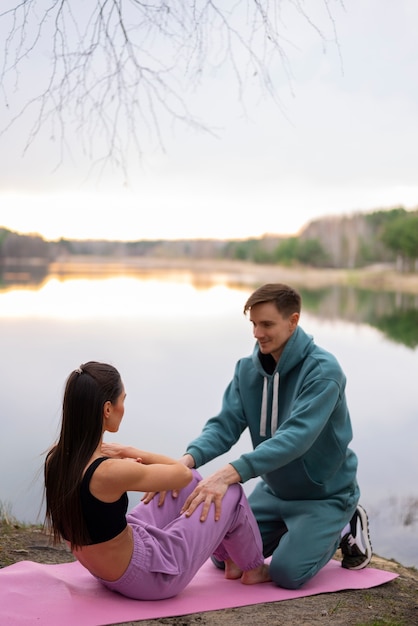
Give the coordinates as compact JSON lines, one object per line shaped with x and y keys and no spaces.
{"x":393,"y":527}
{"x":28,"y":275}
{"x":400,"y":510}
{"x":394,"y":314}
{"x":402,"y":327}
{"x":411,"y":515}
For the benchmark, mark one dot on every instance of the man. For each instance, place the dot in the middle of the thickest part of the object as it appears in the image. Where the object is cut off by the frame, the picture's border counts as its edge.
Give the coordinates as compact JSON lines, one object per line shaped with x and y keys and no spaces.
{"x":291,"y":395}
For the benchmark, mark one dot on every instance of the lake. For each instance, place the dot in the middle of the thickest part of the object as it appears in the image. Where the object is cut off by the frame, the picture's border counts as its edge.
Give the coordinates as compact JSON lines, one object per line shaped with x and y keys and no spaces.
{"x":175,"y":338}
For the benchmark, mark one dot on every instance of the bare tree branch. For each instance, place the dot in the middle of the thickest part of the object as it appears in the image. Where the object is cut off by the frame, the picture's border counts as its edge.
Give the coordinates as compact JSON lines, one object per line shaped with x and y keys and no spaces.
{"x":118,"y":68}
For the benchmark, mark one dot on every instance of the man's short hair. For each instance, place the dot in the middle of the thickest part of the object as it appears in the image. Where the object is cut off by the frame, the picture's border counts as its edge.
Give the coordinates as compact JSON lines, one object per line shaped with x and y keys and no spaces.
{"x":286,"y":299}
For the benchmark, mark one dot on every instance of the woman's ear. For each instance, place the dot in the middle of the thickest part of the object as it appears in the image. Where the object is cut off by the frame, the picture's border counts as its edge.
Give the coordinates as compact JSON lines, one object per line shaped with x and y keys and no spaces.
{"x":107,"y":408}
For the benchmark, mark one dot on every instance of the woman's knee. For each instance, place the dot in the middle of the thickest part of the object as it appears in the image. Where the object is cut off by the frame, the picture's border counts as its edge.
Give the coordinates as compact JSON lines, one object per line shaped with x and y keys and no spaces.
{"x":196,"y":478}
{"x":234,"y":495}
{"x":188,"y":489}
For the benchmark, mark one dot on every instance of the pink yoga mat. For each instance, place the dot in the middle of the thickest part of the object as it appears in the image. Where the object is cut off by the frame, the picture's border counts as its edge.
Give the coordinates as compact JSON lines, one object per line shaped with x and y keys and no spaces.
{"x":66,"y":594}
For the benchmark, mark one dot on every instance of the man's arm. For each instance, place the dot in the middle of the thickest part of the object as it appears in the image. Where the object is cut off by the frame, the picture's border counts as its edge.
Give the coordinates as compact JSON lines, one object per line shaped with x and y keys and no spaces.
{"x":211,"y":489}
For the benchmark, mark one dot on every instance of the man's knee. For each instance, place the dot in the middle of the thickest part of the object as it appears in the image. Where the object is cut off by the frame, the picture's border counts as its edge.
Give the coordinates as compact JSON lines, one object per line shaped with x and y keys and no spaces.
{"x":289,"y":575}
{"x":290,"y":568}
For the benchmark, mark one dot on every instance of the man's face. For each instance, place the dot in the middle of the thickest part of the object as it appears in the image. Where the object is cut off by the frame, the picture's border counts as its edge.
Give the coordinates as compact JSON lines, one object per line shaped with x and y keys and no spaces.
{"x":271,"y":329}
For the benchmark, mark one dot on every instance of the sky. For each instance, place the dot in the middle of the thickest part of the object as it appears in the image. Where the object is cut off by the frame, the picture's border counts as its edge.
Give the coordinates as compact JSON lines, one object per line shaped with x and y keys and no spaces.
{"x":341,"y":137}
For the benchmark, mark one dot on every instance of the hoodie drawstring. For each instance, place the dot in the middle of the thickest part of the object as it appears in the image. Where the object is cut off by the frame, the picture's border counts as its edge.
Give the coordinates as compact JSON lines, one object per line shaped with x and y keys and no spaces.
{"x":274,"y":406}
{"x":263,"y":416}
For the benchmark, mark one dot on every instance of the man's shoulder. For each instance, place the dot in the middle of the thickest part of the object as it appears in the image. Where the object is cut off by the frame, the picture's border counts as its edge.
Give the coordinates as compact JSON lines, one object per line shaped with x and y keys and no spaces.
{"x":326,"y":361}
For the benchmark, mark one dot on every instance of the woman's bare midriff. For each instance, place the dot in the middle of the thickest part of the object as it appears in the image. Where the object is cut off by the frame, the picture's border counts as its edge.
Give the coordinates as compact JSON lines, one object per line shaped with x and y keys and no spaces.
{"x":110,"y":559}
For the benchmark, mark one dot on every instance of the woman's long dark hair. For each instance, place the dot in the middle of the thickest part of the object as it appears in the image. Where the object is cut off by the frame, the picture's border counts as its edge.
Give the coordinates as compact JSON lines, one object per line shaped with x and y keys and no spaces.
{"x":87,"y":390}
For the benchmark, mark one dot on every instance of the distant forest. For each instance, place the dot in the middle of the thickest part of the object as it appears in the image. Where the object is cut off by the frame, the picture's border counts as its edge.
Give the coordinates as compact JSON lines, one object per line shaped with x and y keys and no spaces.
{"x":354,"y":241}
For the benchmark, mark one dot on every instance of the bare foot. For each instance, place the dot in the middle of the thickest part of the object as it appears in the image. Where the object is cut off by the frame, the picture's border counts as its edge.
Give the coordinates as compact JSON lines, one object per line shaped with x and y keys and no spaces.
{"x":257,"y":575}
{"x":232,"y":571}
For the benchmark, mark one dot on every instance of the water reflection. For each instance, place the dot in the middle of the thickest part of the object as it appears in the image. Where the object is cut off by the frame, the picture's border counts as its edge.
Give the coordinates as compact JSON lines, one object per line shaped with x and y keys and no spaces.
{"x":175,"y":338}
{"x":13,"y":275}
{"x":394,"y":314}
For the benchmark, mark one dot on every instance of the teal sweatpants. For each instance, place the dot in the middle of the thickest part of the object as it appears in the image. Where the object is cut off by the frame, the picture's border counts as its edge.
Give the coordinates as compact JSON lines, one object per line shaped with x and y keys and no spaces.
{"x":301,"y":536}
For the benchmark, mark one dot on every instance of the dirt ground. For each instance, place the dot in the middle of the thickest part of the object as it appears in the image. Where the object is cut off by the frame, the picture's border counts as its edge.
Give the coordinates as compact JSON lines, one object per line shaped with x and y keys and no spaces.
{"x":392,"y":604}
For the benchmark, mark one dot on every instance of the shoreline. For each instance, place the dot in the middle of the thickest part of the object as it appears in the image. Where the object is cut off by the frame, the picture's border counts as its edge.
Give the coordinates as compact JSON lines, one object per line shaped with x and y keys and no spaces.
{"x":383,"y":278}
{"x":375,"y":277}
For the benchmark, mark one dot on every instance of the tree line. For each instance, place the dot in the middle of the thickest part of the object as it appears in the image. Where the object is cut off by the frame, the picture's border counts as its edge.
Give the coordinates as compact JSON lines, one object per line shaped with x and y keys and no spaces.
{"x":355,"y":241}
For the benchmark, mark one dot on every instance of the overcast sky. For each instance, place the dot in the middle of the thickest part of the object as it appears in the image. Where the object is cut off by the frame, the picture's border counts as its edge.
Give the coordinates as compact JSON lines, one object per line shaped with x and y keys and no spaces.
{"x":344,"y":138}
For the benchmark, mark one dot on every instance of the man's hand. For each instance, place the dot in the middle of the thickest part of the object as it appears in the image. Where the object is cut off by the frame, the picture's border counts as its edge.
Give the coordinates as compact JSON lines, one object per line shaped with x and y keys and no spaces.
{"x":211,"y":489}
{"x":188,"y":461}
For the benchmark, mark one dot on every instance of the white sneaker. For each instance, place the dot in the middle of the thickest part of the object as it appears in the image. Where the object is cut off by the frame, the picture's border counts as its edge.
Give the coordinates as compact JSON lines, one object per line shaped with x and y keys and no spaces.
{"x":355,"y":545}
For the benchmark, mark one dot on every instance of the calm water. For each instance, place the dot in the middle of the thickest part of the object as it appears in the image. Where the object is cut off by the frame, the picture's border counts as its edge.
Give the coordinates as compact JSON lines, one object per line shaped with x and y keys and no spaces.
{"x":175,"y":341}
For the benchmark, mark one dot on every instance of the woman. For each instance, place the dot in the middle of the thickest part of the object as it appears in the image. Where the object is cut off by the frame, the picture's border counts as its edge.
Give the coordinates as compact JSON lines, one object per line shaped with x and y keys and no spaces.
{"x":153,"y":552}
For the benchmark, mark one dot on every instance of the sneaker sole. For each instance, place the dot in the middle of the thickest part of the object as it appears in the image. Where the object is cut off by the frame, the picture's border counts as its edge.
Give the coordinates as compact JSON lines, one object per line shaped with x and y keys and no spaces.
{"x":364,"y":520}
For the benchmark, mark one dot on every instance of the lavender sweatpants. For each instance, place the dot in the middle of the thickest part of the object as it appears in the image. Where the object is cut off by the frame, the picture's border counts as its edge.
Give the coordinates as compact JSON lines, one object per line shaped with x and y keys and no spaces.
{"x":170,"y":548}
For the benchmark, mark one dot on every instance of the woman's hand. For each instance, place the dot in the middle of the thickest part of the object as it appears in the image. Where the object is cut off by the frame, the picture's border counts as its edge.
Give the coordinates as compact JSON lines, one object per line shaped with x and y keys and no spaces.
{"x":150,"y":495}
{"x":186,"y":460}
{"x":119,"y":451}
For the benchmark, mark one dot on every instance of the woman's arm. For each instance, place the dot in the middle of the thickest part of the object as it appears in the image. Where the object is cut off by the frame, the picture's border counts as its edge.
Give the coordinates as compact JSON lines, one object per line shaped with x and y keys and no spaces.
{"x":119,"y":451}
{"x":131,"y":469}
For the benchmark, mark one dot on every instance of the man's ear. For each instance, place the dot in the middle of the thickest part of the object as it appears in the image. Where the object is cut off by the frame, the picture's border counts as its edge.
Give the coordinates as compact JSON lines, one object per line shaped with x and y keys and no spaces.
{"x":294,"y":320}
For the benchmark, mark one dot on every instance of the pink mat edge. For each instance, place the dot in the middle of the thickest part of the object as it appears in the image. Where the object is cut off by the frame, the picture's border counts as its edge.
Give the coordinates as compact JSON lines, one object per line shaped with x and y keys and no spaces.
{"x":195,"y":599}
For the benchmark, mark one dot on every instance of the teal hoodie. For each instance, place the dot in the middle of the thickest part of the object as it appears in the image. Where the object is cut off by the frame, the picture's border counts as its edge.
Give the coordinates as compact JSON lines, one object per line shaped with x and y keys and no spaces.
{"x":298,"y":421}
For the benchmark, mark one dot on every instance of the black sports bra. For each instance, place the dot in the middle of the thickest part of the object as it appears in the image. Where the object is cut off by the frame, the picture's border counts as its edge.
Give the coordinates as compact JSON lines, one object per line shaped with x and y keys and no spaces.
{"x":104,"y":520}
